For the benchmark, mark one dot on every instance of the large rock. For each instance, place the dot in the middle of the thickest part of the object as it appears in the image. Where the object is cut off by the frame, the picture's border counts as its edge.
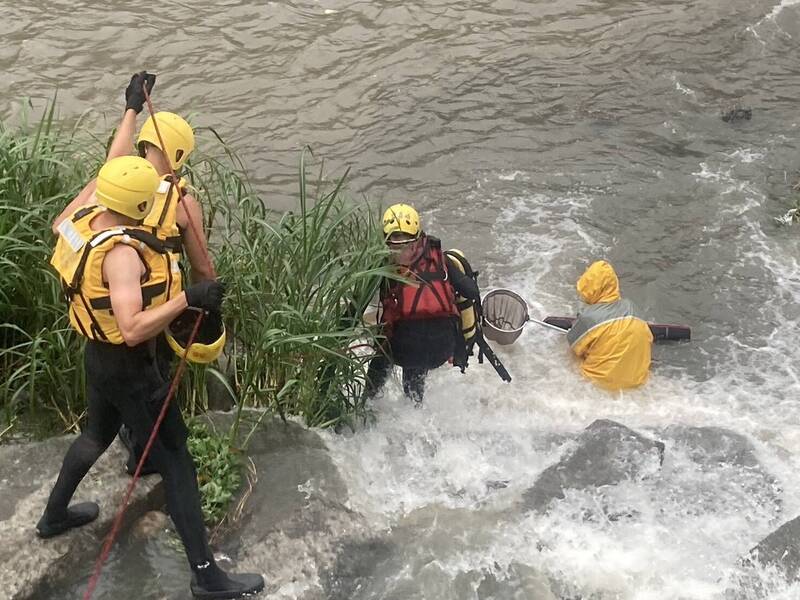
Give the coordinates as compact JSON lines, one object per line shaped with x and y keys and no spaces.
{"x":290,"y":524}
{"x":605,"y":453}
{"x":726,"y":471}
{"x":29,"y":471}
{"x":712,"y":446}
{"x":781,"y":550}
{"x":295,"y":527}
{"x":778,"y":554}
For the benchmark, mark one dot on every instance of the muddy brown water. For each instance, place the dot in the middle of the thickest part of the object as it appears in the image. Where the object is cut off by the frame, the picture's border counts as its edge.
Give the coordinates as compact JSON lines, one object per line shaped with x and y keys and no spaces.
{"x":535,"y":136}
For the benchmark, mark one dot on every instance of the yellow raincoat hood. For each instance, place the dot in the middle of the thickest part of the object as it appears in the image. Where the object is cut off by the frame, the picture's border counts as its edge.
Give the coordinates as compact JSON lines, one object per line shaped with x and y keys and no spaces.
{"x":599,"y":284}
{"x":611,"y":341}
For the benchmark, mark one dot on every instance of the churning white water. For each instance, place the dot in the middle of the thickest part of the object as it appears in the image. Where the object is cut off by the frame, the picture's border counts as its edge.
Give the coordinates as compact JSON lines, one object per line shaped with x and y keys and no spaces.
{"x":478,"y":444}
{"x":537,"y":137}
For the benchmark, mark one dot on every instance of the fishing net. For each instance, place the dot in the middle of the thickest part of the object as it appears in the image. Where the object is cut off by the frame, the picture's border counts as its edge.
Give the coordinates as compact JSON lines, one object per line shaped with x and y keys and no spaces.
{"x":504,"y":316}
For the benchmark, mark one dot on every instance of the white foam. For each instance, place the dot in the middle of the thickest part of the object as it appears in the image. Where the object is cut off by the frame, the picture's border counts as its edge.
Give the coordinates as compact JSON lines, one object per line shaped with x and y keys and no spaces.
{"x":748,"y":155}
{"x":771,"y":17}
{"x":510,"y":176}
{"x":477,"y":444}
{"x":779,"y":9}
{"x":682,"y":88}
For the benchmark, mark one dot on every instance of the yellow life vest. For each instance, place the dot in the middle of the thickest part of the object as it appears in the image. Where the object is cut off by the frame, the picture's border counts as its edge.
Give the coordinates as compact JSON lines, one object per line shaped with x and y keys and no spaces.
{"x":163,"y":223}
{"x":78,"y":259}
{"x":465,"y":306}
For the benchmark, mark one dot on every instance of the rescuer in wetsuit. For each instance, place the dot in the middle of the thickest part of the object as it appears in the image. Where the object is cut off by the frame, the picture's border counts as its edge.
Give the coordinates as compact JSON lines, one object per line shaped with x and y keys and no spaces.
{"x":115,"y":273}
{"x":419,"y":315}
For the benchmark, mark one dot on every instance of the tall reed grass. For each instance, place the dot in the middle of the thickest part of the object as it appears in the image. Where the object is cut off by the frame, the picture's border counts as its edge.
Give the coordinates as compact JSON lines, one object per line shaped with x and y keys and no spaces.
{"x":299,"y":283}
{"x":42,"y":166}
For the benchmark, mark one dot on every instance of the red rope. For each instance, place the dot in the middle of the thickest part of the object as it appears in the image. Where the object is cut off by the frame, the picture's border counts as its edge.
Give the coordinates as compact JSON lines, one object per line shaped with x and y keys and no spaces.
{"x":175,"y":179}
{"x":109,"y":540}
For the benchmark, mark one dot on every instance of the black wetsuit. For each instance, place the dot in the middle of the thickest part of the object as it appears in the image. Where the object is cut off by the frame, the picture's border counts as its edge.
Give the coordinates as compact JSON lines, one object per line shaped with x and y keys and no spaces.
{"x":421,"y":345}
{"x":164,"y":355}
{"x":126,"y":385}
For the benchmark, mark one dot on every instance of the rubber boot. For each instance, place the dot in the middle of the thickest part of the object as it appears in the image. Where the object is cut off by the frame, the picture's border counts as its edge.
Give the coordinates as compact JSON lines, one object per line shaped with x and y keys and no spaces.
{"x":209,"y":582}
{"x":77,"y":516}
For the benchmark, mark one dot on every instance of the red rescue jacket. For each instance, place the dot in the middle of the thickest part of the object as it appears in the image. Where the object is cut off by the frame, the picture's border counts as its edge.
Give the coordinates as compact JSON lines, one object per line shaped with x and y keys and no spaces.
{"x":428,"y":294}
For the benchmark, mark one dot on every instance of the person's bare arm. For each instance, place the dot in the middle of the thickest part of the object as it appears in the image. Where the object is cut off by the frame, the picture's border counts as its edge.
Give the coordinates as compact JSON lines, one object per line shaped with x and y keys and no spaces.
{"x":123,"y":138}
{"x":196,"y":246}
{"x":122,"y":142}
{"x":83,"y":197}
{"x":122,"y":269}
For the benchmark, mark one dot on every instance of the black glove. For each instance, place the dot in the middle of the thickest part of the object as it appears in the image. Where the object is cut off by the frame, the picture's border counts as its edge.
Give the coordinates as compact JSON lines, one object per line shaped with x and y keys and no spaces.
{"x":206,"y":295}
{"x":134,"y":95}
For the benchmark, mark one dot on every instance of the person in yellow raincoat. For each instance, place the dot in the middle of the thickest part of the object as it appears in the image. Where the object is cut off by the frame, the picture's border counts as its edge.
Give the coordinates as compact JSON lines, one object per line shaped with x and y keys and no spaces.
{"x":612,"y":342}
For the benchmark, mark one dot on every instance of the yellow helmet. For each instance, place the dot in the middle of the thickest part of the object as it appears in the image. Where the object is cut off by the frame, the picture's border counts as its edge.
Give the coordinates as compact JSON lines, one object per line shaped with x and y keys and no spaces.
{"x":209,"y":341}
{"x":401,"y":217}
{"x":176,"y":132}
{"x":127,"y":185}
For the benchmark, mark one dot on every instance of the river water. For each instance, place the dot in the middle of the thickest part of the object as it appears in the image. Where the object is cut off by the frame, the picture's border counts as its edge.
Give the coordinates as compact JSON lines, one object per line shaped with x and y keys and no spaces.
{"x":536,"y":137}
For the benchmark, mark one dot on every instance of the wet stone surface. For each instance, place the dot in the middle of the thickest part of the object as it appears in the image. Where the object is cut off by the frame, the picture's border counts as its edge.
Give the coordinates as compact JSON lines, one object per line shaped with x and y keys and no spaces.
{"x":26,"y":562}
{"x":605,"y":453}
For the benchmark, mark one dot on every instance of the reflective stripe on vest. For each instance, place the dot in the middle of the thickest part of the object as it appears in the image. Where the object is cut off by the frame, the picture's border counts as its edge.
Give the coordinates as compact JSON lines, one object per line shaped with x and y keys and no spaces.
{"x":594,"y":315}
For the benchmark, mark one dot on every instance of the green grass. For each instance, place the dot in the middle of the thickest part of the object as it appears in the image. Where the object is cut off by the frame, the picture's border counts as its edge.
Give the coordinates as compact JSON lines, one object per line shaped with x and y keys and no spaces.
{"x":219,"y":468}
{"x":42,"y":167}
{"x":298,"y":284}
